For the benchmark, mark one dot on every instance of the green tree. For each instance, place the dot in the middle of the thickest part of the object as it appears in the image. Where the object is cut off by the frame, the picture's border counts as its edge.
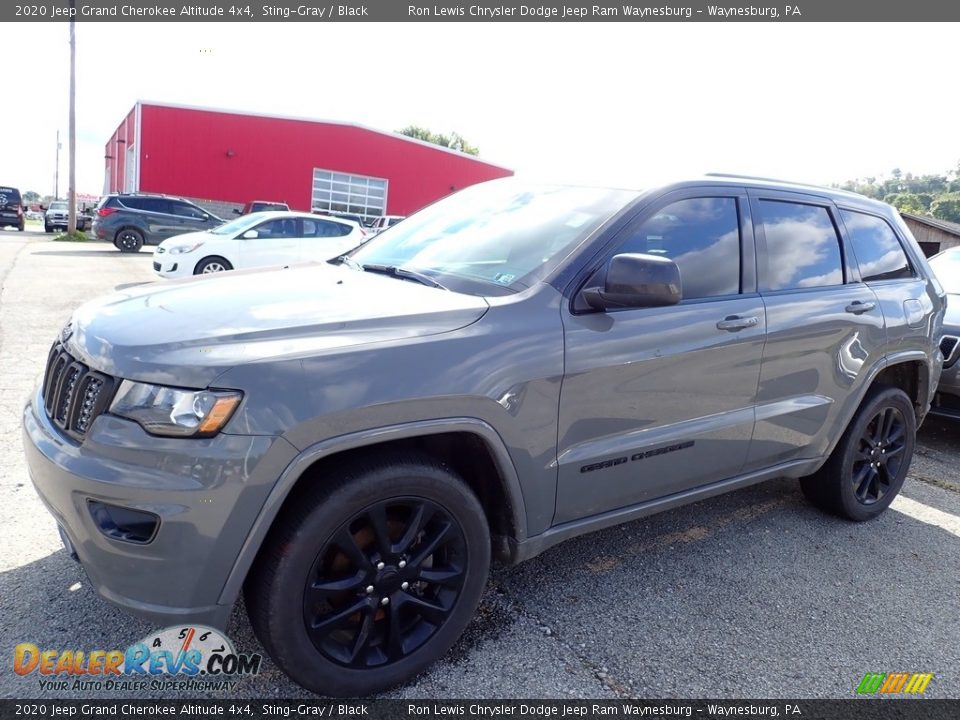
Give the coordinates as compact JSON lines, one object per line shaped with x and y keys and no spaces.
{"x":31,"y":197}
{"x":906,"y":202}
{"x":454,"y":141}
{"x":947,"y":207}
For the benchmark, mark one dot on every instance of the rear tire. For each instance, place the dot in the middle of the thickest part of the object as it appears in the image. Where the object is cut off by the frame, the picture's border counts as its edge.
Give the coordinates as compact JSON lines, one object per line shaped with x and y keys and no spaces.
{"x":869,"y":465}
{"x":212,"y":264}
{"x":129,"y":240}
{"x":370,"y":575}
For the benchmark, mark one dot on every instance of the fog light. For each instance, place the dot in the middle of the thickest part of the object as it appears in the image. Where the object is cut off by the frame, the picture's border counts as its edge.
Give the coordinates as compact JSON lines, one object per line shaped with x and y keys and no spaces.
{"x":120,"y":523}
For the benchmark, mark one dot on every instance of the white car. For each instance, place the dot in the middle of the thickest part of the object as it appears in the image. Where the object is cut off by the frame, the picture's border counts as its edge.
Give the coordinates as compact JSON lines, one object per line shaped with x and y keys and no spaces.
{"x":257,"y":240}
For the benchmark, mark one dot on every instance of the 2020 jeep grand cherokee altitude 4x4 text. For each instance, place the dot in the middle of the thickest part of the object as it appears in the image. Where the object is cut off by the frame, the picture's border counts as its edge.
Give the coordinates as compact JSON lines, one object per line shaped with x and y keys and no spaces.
{"x":351,"y":443}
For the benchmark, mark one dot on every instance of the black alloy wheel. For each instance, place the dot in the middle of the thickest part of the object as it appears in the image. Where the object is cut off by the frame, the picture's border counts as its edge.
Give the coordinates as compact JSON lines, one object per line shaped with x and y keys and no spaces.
{"x":869,"y":464}
{"x":385,"y":582}
{"x":129,"y":240}
{"x":370,"y":572}
{"x":879,"y":456}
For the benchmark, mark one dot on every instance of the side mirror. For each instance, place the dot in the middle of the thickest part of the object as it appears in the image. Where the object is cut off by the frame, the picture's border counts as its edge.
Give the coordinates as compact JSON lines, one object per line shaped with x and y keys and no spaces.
{"x":237,"y":212}
{"x":635,"y":280}
{"x":250,"y":235}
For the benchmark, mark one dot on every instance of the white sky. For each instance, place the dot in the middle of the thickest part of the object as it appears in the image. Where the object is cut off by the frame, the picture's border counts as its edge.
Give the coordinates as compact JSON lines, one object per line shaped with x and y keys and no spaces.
{"x":620,"y":104}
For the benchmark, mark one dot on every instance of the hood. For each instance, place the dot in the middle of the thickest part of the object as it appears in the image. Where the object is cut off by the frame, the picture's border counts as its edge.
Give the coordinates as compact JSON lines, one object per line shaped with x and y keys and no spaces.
{"x":187,"y":332}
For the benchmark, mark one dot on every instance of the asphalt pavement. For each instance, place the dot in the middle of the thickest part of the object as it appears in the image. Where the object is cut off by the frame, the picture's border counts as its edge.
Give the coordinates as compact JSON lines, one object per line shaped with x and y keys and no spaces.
{"x":751,"y":595}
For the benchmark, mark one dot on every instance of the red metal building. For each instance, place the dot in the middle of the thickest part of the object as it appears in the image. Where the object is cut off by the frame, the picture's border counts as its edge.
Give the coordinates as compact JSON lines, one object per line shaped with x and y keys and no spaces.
{"x":223,"y":159}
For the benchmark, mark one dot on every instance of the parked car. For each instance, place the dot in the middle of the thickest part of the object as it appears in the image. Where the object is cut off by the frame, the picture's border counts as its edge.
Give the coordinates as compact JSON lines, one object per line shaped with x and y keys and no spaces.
{"x":57,"y":217}
{"x":11,"y":208}
{"x":946,"y":265}
{"x":261,"y":206}
{"x":256,"y":240}
{"x":131,"y":220}
{"x":351,"y":442}
{"x":382,"y":223}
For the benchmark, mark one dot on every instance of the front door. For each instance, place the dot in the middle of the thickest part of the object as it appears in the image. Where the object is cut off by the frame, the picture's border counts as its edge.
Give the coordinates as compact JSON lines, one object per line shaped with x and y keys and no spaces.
{"x":660,"y":400}
{"x":276,"y":243}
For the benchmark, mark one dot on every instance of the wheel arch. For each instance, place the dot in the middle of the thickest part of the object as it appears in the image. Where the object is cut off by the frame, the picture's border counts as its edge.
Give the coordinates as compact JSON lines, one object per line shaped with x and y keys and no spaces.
{"x":911,"y":373}
{"x":469,"y":445}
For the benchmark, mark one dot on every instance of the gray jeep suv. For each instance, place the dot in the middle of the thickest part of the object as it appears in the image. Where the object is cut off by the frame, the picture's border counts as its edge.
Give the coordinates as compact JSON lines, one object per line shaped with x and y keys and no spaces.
{"x":351,"y":443}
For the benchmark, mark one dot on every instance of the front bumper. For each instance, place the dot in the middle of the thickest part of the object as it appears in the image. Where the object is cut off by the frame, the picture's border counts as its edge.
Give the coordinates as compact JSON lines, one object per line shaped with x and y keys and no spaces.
{"x":206,"y":492}
{"x":172,"y":266}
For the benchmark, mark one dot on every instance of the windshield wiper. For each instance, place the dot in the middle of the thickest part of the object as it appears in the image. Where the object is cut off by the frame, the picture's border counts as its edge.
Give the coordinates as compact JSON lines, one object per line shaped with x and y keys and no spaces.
{"x":403,"y":273}
{"x":349,"y":262}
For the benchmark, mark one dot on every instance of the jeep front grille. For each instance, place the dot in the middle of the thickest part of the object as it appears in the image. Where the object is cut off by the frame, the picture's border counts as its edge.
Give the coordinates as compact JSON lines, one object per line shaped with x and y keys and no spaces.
{"x":948,"y":346}
{"x":73,"y":394}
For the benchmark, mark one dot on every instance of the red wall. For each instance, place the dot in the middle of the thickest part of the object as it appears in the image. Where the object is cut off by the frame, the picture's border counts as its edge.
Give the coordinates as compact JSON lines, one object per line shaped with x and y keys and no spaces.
{"x":115,"y":152}
{"x":185,"y":152}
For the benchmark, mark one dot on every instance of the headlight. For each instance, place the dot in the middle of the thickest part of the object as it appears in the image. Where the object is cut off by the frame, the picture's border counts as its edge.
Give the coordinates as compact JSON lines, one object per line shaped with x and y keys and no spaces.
{"x":184,"y":249}
{"x":171,"y":411}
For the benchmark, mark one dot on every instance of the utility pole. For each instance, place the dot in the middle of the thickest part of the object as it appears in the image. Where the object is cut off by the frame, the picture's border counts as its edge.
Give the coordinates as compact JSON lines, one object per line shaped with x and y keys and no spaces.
{"x":72,"y":197}
{"x":56,"y":170}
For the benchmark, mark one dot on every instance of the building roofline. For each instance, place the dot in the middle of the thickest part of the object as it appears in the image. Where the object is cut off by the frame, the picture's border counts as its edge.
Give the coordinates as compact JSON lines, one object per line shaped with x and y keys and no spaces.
{"x":320,"y":121}
{"x":945,"y":225}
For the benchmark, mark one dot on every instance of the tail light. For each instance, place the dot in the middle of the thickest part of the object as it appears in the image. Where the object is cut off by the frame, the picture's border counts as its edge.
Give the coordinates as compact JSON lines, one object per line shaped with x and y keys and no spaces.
{"x":103,"y":212}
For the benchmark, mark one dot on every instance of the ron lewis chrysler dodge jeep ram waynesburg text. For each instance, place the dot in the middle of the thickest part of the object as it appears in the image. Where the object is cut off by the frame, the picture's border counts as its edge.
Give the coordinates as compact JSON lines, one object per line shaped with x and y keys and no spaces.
{"x":351,"y":442}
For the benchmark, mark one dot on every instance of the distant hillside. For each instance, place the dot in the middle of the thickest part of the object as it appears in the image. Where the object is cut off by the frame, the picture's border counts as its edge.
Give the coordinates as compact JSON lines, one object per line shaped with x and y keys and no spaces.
{"x":934,"y":195}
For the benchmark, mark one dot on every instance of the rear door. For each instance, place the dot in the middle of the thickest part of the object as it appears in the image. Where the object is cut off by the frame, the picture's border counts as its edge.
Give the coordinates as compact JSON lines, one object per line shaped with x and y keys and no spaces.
{"x":660,"y":400}
{"x":323,"y":239}
{"x":825,"y":328}
{"x":154,"y":216}
{"x":885,"y":267}
{"x":277,"y":243}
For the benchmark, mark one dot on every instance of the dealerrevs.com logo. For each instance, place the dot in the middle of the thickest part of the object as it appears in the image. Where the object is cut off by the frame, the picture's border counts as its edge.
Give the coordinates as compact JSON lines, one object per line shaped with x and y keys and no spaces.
{"x":176,"y":658}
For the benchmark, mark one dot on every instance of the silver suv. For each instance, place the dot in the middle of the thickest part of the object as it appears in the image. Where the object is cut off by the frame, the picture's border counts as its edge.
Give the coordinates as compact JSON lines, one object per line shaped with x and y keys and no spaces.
{"x":351,"y":443}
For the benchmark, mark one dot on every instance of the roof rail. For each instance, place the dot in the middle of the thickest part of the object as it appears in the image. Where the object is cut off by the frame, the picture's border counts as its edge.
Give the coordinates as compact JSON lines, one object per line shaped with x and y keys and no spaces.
{"x":761,"y":179}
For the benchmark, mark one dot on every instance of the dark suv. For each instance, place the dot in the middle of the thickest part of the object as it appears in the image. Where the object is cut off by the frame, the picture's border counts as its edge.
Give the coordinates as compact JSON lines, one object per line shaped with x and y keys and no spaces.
{"x":11,"y":208}
{"x":351,"y":442}
{"x":130,"y":221}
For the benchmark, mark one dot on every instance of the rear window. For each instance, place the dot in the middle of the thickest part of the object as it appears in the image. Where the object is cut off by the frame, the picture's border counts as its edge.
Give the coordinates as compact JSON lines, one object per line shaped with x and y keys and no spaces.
{"x":262,"y":206}
{"x":9,"y":196}
{"x":876,"y":246}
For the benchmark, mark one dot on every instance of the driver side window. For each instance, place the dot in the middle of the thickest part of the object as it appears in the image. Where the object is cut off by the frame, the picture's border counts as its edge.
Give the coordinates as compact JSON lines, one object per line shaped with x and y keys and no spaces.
{"x":702,"y":236}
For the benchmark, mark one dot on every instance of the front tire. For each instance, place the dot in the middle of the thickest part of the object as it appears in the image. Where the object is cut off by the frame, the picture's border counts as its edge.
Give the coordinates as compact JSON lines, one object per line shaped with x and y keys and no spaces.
{"x":212,"y":264}
{"x":869,"y":465}
{"x":47,"y":228}
{"x":370,"y":575}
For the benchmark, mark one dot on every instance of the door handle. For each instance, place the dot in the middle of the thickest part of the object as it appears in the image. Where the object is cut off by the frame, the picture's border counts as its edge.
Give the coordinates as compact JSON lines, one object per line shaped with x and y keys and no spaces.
{"x":735,"y":322}
{"x":858,"y":308}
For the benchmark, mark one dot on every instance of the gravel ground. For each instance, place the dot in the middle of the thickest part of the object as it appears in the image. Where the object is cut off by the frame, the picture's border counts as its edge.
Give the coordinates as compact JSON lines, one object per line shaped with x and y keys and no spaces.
{"x":753,"y":594}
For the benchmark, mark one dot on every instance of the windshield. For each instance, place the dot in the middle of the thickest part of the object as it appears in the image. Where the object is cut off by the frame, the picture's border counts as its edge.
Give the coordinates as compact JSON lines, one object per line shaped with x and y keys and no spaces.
{"x":58,"y":206}
{"x":241,"y":224}
{"x":946,"y":266}
{"x":502,"y":232}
